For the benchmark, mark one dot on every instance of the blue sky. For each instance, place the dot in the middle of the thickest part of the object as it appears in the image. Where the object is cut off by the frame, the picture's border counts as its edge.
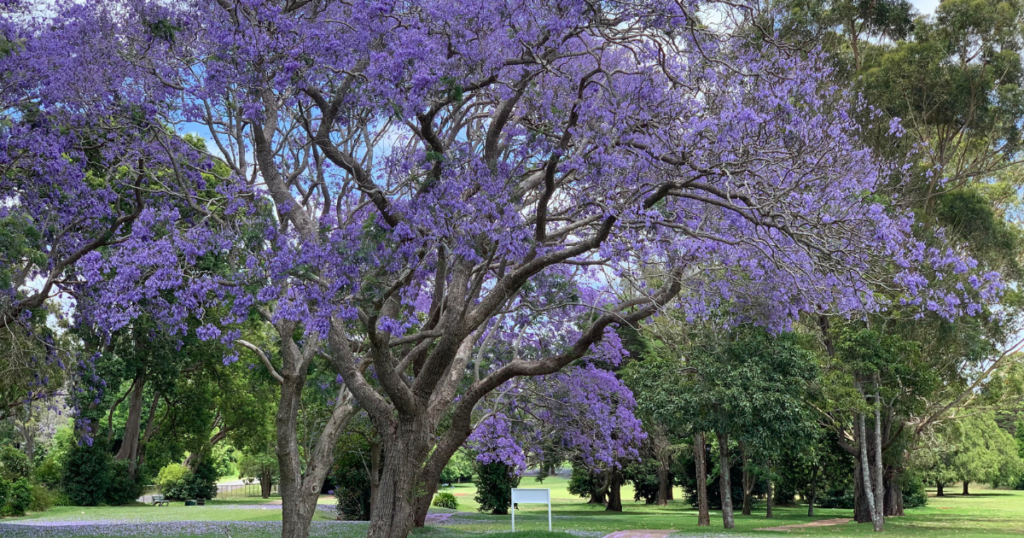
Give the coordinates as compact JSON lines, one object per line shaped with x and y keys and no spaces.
{"x":926,"y":7}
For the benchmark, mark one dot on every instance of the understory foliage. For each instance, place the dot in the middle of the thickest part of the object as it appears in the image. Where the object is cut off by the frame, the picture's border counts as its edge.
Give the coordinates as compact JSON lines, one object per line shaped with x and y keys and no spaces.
{"x":494,"y":482}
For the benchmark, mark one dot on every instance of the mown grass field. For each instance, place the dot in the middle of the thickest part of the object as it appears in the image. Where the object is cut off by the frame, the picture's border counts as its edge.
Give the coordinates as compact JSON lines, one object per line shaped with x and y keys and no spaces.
{"x":987,"y":513}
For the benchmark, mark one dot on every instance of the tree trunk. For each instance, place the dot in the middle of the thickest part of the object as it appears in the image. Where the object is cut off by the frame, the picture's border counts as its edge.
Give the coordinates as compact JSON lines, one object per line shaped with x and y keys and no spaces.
{"x":300,"y":491}
{"x":130,"y":441}
{"x":703,"y":513}
{"x":671,"y":489}
{"x":375,"y":448}
{"x":770,"y":492}
{"x":810,"y":500}
{"x":861,"y":510}
{"x":893,"y":494}
{"x":408,"y":446}
{"x":614,"y":491}
{"x":748,"y":480}
{"x":723,"y":480}
{"x":663,"y":485}
{"x":879,"y":479}
{"x":866,"y":475}
{"x":938,"y":489}
{"x":266,"y":481}
{"x":966,"y":490}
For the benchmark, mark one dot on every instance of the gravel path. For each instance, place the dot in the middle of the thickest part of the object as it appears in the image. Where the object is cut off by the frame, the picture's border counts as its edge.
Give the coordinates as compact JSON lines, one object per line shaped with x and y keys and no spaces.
{"x":642,"y":533}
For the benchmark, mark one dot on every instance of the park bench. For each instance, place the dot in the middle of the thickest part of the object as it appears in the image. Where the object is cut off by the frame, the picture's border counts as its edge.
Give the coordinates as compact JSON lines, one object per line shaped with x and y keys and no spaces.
{"x":159,"y":500}
{"x":200,"y":502}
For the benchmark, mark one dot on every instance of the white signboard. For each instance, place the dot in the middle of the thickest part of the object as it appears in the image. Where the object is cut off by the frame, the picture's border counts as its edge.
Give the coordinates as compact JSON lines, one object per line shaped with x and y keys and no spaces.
{"x":526,"y":495}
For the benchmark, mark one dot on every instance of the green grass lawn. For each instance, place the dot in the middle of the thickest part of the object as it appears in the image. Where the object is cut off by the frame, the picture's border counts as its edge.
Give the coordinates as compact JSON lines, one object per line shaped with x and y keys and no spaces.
{"x":985,"y":514}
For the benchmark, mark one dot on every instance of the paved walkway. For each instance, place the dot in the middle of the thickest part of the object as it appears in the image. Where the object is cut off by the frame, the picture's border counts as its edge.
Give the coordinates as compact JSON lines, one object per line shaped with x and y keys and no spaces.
{"x":819,"y":523}
{"x":642,"y":533}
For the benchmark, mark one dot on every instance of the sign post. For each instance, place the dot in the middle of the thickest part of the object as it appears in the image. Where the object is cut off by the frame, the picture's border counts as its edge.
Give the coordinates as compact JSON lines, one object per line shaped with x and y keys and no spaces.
{"x":530,"y":495}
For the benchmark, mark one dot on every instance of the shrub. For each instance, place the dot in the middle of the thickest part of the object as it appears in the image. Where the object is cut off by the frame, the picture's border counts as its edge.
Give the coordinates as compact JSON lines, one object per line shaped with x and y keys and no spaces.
{"x":86,"y":474}
{"x":446,"y":500}
{"x":172,"y":481}
{"x":19,"y":499}
{"x":837,"y":498}
{"x":494,"y":482}
{"x":202,"y":482}
{"x":644,"y":476}
{"x":14,"y":464}
{"x":914,"y":494}
{"x":5,"y":491}
{"x":121,"y":487}
{"x":49,"y":471}
{"x":42,"y":499}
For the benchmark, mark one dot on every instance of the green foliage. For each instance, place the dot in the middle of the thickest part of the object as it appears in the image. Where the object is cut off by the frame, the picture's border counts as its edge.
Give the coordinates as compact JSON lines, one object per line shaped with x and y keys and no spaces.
{"x":263,"y":466}
{"x":914,"y":493}
{"x":446,"y":500}
{"x":351,"y":479}
{"x":5,"y":492}
{"x":49,"y":471}
{"x":121,"y":488}
{"x":14,"y":464}
{"x":459,"y":468}
{"x":494,"y":483}
{"x":582,"y":482}
{"x":19,"y":498}
{"x":172,"y":481}
{"x":201,"y":483}
{"x":644,"y":476}
{"x":42,"y":499}
{"x":972,"y":448}
{"x":86,"y":474}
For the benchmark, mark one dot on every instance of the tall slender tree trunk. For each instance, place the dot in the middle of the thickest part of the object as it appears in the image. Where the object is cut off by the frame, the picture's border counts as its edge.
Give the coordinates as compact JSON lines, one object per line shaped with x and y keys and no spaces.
{"x":812,"y":491}
{"x":723,"y":480}
{"x":699,"y":453}
{"x":879,"y":520}
{"x":770,"y":499}
{"x":966,"y":490}
{"x":748,"y":481}
{"x":130,"y":442}
{"x":866,"y":475}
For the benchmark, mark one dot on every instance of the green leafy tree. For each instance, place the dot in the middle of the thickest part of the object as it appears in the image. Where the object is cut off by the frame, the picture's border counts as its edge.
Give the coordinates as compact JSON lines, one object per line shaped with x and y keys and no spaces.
{"x":494,"y":483}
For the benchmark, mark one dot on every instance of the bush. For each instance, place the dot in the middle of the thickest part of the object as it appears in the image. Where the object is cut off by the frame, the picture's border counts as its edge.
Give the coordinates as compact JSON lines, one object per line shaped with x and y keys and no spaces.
{"x":49,"y":471}
{"x":86,"y":474}
{"x":446,"y":500}
{"x":14,"y":464}
{"x":172,"y":482}
{"x":42,"y":499}
{"x":5,"y":491}
{"x":644,"y":476}
{"x":202,"y":483}
{"x":914,"y":494}
{"x":494,"y":482}
{"x":121,"y":487}
{"x":19,"y":499}
{"x":837,"y":498}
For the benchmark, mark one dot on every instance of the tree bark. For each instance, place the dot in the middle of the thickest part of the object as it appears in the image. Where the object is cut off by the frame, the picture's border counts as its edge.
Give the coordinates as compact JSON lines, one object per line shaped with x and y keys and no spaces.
{"x":375,"y":448}
{"x":966,"y":490}
{"x":266,"y":481}
{"x":671,"y":494}
{"x":770,"y":500}
{"x":130,"y":441}
{"x":663,"y":485}
{"x":866,"y":474}
{"x":861,"y":510}
{"x":407,"y":442}
{"x":300,"y":491}
{"x":723,"y":480}
{"x":893,"y":494}
{"x":703,"y":513}
{"x":938,"y":489}
{"x":614,"y":491}
{"x":748,"y":481}
{"x":879,"y":478}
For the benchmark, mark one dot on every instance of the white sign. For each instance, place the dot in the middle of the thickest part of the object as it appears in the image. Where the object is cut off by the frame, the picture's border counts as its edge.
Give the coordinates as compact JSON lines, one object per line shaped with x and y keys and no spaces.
{"x":527,"y":495}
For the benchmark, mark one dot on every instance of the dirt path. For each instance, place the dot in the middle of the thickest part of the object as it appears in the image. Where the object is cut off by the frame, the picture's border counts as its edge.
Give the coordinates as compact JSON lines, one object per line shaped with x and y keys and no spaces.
{"x":819,"y":523}
{"x":642,"y":533}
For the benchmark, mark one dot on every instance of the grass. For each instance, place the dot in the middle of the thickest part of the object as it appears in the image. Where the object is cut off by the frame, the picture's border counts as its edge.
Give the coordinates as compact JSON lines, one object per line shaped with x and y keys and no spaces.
{"x":985,"y":514}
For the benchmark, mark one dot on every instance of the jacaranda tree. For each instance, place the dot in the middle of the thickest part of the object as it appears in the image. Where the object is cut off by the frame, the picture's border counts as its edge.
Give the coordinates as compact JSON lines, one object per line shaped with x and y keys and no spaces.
{"x":410,"y":179}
